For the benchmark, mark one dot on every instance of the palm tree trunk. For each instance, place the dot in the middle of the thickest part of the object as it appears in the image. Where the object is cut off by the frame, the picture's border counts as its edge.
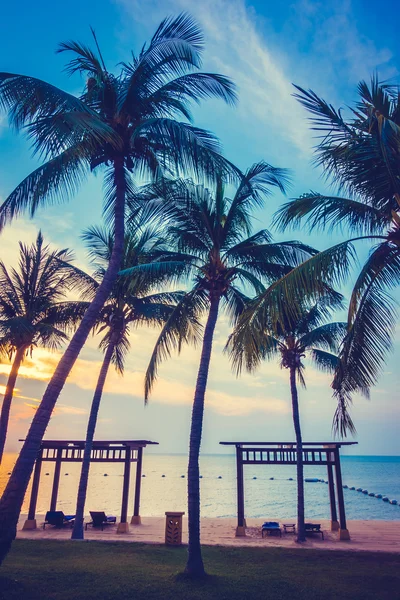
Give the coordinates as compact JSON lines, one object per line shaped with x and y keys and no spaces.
{"x":13,"y":495}
{"x":301,"y":536}
{"x":77,"y":532}
{"x":8,"y":396}
{"x":194,"y":565}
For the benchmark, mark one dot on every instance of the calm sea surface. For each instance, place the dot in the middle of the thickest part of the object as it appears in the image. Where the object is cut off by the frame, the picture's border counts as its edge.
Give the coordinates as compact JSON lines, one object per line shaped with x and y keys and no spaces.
{"x":264,"y":497}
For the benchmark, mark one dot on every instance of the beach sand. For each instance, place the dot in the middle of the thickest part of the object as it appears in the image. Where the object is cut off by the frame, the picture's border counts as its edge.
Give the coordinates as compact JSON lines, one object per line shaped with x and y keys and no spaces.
{"x":377,"y":536}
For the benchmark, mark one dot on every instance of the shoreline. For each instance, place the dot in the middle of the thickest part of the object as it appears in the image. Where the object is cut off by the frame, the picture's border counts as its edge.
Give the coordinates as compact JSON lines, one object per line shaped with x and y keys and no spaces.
{"x":366,"y":535}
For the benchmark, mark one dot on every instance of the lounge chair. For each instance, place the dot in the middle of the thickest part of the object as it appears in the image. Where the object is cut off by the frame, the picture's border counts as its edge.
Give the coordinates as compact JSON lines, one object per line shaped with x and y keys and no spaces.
{"x":99,"y":519}
{"x":58,"y":519}
{"x":270,"y":527}
{"x":313,"y":528}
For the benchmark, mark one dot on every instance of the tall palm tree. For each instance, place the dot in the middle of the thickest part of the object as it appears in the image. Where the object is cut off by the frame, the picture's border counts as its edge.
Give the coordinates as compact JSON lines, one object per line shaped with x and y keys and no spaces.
{"x":292,"y":340}
{"x":213,"y":245}
{"x":125,"y":124}
{"x":131,"y":303}
{"x":361,"y":154}
{"x":32,"y":310}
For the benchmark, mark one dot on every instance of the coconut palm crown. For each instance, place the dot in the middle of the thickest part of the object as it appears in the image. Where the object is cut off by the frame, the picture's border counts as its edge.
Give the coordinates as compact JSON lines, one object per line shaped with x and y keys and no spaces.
{"x":33,"y":309}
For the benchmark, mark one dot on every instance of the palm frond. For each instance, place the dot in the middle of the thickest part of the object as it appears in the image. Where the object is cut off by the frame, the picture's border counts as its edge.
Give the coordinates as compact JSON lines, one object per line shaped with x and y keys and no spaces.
{"x":182,"y":327}
{"x":321,"y":211}
{"x":328,"y":336}
{"x":325,"y":361}
{"x":53,"y":182}
{"x":372,"y":320}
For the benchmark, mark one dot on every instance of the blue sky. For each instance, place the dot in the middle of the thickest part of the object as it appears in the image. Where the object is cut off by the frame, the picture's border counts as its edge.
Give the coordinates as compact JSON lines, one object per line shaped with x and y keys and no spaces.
{"x":327,"y":46}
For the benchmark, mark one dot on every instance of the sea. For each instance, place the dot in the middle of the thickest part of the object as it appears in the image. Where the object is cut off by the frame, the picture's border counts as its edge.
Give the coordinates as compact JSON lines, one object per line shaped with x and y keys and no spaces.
{"x":270,"y":490}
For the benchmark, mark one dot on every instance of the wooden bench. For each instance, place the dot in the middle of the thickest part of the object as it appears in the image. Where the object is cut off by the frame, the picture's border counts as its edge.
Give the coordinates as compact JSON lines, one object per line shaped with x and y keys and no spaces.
{"x":313,"y":528}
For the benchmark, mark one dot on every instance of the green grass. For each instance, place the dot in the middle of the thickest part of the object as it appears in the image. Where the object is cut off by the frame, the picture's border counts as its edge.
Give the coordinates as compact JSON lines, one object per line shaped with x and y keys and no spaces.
{"x":43,"y":570}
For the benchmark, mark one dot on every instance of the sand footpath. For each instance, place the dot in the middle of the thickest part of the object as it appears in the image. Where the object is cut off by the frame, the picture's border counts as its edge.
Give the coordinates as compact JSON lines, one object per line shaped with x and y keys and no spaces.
{"x":377,"y":536}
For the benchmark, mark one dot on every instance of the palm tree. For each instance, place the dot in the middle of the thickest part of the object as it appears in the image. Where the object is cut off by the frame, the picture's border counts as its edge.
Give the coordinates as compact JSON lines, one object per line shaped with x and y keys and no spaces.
{"x":32,"y":310}
{"x":212,"y":243}
{"x":124,"y":124}
{"x":131,"y":303}
{"x":292,"y":340}
{"x":361,"y":155}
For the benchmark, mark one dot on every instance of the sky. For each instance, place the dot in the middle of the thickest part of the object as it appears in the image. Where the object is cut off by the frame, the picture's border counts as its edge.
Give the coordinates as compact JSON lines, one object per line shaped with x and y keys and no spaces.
{"x":264,"y":47}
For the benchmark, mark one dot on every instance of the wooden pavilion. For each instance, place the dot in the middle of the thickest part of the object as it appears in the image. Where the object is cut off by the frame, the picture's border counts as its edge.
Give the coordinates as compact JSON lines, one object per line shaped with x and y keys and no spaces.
{"x":66,"y":451}
{"x":285,"y":453}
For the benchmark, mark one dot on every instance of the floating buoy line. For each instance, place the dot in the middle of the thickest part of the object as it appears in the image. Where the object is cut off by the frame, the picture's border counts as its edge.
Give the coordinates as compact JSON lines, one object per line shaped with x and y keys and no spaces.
{"x":363,"y":491}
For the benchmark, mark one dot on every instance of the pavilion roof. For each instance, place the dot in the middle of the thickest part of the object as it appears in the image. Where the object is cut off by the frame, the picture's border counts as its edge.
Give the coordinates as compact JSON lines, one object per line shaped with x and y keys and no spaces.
{"x":96,"y":444}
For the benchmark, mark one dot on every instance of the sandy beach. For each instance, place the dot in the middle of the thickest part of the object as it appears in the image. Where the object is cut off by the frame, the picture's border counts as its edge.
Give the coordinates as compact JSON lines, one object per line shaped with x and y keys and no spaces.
{"x":377,"y":536}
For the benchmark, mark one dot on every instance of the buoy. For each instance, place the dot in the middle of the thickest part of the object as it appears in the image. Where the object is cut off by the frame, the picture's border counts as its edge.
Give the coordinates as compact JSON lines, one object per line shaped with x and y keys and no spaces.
{"x":105,"y":475}
{"x":371,"y":494}
{"x":393,"y":502}
{"x":378,"y":495}
{"x":365,"y":491}
{"x":352,"y":487}
{"x":312,"y":480}
{"x":385,"y":499}
{"x":359,"y":489}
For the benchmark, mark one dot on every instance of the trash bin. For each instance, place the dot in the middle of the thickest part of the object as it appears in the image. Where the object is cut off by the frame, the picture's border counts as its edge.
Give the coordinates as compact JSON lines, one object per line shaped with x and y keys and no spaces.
{"x":173,"y":528}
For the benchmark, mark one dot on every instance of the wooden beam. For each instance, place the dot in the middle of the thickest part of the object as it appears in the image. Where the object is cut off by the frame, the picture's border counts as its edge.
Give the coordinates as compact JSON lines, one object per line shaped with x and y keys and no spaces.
{"x":123,"y":526}
{"x":136,"y":508}
{"x":56,"y":480}
{"x":30,"y":523}
{"x":343,"y":531}
{"x":332,"y":500}
{"x":241,"y":524}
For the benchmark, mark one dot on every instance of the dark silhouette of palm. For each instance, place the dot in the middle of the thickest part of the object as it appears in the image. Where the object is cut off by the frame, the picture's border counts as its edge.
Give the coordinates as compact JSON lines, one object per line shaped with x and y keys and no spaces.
{"x":33,"y":312}
{"x":361,"y":155}
{"x":213,"y":246}
{"x":291,"y":340}
{"x":124,"y":125}
{"x":132,"y":303}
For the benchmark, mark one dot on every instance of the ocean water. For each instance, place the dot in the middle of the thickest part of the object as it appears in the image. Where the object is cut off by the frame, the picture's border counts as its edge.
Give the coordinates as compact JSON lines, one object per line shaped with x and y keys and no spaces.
{"x":263,"y":497}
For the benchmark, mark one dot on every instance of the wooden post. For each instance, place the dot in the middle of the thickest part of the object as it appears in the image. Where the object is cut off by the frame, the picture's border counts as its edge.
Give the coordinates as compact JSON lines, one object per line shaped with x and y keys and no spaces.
{"x":56,"y":480}
{"x":241,"y":523}
{"x":332,"y":500}
{"x":30,"y":523}
{"x":343,"y":531}
{"x":123,"y":526}
{"x":136,"y":508}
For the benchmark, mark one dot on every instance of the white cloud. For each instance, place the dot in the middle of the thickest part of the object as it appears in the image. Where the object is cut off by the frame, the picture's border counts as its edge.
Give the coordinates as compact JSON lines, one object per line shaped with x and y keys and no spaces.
{"x":235,"y":48}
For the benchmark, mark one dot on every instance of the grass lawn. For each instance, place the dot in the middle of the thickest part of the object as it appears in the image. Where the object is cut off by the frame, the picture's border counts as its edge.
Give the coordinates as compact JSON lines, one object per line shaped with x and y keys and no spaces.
{"x":43,"y":570}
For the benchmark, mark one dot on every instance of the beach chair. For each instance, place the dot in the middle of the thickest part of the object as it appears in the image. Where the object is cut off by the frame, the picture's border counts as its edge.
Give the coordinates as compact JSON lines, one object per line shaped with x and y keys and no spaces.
{"x":270,"y":527}
{"x":58,"y":519}
{"x":99,"y":519}
{"x":313,"y":528}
